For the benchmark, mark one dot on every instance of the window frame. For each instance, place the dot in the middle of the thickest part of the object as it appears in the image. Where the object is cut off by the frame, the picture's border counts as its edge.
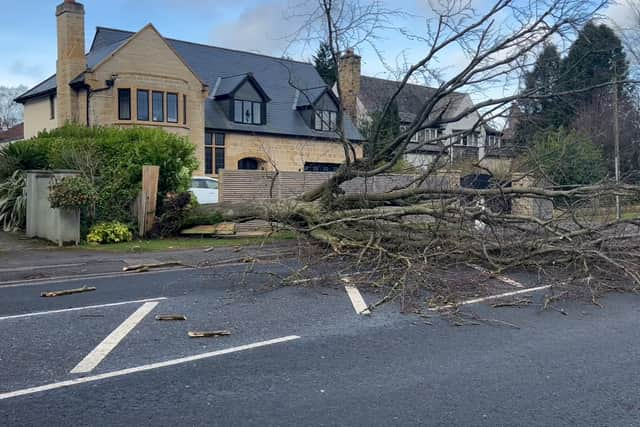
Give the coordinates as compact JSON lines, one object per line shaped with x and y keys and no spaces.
{"x":121,"y":92}
{"x":184,"y":109}
{"x":52,"y":107}
{"x":214,"y":144}
{"x":169,"y":95}
{"x":138,"y":104}
{"x":162,"y":106}
{"x":237,"y":102}
{"x":324,"y":119}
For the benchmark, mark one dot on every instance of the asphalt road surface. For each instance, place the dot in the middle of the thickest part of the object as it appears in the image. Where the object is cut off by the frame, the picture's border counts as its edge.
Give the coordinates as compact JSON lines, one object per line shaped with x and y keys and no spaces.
{"x":303,"y":356}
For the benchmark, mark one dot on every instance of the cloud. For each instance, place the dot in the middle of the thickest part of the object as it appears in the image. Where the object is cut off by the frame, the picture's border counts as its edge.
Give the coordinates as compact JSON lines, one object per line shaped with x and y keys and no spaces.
{"x":20,"y":68}
{"x":620,"y":14}
{"x":263,"y":28}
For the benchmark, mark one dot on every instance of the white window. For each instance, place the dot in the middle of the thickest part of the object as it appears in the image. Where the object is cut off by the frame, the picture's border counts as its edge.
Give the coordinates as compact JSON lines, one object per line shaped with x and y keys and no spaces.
{"x":325,"y":120}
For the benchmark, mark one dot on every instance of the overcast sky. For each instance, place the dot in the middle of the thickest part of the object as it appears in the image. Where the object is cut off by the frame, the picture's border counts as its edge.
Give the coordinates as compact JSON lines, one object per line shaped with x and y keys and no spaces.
{"x":27,"y":32}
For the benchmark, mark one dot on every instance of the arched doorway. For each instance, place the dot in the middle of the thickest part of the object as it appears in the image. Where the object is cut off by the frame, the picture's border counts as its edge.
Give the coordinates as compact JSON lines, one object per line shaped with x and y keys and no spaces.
{"x":250,"y":163}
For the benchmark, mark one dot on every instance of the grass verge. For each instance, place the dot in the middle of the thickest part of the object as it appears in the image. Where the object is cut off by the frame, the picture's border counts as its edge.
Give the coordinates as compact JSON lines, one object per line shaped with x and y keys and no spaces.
{"x":188,"y":243}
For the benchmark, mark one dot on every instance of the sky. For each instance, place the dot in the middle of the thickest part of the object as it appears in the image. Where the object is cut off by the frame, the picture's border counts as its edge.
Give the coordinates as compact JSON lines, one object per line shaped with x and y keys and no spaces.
{"x":28,"y":30}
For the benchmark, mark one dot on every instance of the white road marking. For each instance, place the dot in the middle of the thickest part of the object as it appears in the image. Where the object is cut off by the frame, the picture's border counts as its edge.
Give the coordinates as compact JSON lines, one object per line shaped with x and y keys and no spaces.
{"x":356,"y":299}
{"x":504,"y":279}
{"x":143,"y":368}
{"x":84,"y":277}
{"x":96,"y":356}
{"x":491,"y":297}
{"x":86,"y":307}
{"x":39,"y":267}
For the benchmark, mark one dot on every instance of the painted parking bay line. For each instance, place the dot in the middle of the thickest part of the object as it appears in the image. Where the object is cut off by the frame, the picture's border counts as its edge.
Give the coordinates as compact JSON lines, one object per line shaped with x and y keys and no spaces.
{"x":143,"y":368}
{"x":86,"y":307}
{"x":491,"y":297}
{"x":505,"y":279}
{"x":113,"y":339}
{"x":356,"y":300}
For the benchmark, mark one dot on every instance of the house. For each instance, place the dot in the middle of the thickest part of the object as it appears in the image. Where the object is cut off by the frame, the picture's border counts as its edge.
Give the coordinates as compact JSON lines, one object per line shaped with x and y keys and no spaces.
{"x":12,"y":134}
{"x":242,"y":110}
{"x":363,"y":95}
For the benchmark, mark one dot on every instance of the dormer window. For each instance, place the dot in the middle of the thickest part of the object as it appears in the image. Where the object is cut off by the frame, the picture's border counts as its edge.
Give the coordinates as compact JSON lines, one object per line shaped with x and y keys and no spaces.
{"x":242,"y":98}
{"x":248,"y":112}
{"x":325,"y":120}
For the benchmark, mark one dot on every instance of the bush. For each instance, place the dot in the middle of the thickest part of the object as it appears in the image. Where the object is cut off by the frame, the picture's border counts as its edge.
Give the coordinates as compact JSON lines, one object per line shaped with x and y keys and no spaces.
{"x":21,"y":156}
{"x":13,"y":202}
{"x":567,"y":158}
{"x":109,"y":232}
{"x":73,"y":192}
{"x":110,"y":157}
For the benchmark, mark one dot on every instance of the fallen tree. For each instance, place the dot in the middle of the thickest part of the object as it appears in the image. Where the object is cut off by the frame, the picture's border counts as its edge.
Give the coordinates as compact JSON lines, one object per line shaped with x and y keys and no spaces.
{"x":416,"y":228}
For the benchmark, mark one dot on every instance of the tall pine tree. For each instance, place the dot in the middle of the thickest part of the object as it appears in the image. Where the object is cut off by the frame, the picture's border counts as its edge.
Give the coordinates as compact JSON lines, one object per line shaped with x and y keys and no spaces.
{"x":325,"y":65}
{"x":594,"y":58}
{"x":541,"y":114}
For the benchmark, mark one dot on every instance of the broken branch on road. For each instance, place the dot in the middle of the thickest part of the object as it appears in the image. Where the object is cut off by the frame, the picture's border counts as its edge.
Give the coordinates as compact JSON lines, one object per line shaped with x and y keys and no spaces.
{"x":67,"y":292}
{"x":208,"y":334}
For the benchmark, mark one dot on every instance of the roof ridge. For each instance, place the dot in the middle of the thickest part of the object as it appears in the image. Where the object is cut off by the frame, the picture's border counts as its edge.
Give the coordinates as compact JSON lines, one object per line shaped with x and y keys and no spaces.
{"x":212,"y":46}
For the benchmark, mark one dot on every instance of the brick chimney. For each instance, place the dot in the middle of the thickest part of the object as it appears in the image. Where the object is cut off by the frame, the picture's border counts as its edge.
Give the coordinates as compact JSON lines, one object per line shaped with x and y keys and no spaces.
{"x":350,"y":64}
{"x":71,"y":60}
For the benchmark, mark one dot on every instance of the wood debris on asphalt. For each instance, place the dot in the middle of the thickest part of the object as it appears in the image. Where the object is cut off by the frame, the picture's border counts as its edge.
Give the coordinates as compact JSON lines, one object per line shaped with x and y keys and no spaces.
{"x":208,"y":334}
{"x":170,"y":317}
{"x":146,"y":267}
{"x":67,"y":292}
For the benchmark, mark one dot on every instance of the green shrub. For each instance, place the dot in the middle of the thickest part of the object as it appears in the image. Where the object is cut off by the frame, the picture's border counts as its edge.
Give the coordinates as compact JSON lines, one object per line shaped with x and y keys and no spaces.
{"x":73,"y":192}
{"x":567,"y":159}
{"x":22,"y":156}
{"x":109,"y":232}
{"x":13,"y":202}
{"x":112,"y":158}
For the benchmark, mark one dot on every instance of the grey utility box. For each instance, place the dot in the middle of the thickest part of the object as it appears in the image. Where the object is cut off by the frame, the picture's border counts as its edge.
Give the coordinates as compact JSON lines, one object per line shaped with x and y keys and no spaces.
{"x":57,"y":225}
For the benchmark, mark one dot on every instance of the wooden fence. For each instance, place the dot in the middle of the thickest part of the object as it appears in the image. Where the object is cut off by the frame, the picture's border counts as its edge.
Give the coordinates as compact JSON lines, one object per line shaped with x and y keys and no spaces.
{"x":242,"y":185}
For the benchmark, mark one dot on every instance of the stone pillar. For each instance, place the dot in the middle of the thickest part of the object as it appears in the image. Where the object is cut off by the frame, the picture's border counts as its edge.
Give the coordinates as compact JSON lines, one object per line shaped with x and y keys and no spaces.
{"x":350,"y":65}
{"x":71,"y":61}
{"x":529,"y":206}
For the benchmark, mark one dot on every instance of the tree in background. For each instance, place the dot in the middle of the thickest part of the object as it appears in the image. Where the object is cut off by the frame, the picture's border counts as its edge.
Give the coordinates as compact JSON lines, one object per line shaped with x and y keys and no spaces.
{"x":10,"y":112}
{"x":567,"y":158}
{"x":595,"y":58}
{"x":325,"y":64}
{"x":541,"y":114}
{"x":389,"y":124}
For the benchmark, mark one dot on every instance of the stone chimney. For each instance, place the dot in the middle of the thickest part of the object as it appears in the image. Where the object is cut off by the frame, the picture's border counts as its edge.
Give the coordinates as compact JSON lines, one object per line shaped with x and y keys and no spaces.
{"x":71,"y":60}
{"x":350,"y":64}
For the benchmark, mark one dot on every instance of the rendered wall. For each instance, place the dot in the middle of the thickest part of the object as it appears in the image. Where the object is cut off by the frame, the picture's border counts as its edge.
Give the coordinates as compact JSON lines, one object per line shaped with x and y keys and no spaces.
{"x":57,"y":225}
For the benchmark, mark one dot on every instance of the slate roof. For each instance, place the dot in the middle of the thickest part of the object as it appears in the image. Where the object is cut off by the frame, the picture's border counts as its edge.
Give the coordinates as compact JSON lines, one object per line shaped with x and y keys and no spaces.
{"x":210,"y":63}
{"x":375,"y":92}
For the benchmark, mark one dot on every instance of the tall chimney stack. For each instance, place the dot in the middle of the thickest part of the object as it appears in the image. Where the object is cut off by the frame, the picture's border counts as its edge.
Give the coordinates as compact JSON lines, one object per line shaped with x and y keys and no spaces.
{"x":71,"y":60}
{"x":349,"y":69}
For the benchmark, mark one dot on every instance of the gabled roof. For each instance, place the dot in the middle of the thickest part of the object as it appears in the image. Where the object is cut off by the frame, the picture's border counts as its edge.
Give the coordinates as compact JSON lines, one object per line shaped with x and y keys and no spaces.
{"x":227,"y":86}
{"x":375,"y":92}
{"x":277,"y":77}
{"x":306,"y":98}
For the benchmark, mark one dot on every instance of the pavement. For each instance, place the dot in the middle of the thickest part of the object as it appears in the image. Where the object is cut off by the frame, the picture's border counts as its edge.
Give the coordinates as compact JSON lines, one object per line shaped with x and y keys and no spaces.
{"x":304,"y":355}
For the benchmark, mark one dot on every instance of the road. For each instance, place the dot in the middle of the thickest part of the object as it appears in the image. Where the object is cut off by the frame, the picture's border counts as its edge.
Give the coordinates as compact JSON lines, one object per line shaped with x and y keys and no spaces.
{"x":304,"y":356}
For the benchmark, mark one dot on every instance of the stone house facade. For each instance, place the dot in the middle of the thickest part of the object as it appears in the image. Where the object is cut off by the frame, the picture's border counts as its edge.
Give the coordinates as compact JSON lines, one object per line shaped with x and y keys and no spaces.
{"x":240,"y":110}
